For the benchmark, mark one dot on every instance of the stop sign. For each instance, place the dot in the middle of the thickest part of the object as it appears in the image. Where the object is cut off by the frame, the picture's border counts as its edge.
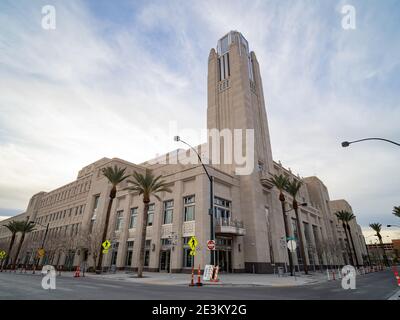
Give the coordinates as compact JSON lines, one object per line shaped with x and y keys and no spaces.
{"x":211,"y":245}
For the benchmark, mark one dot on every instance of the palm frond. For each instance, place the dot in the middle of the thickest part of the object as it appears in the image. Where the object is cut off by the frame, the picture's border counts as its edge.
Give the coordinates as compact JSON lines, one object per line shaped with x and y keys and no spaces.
{"x":279,"y":181}
{"x":396,"y":211}
{"x":293,"y":187}
{"x":115,"y":175}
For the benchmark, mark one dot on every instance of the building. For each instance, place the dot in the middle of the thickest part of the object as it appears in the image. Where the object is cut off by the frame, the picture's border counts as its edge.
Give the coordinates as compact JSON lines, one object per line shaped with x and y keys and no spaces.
{"x":249,"y":225}
{"x":376,"y":252}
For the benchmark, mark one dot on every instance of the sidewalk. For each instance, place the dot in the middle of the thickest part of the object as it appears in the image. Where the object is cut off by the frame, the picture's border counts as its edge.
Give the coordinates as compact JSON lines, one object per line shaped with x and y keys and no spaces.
{"x":238,"y":279}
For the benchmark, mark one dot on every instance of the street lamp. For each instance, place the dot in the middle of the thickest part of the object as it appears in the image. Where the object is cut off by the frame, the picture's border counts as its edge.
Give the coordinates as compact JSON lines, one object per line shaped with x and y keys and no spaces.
{"x":44,"y":239}
{"x":393,"y":225}
{"x":211,"y":208}
{"x":347,"y":143}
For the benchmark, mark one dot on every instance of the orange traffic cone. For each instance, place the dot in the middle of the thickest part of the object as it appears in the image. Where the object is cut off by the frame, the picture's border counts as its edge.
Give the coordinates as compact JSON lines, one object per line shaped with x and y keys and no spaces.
{"x":191,"y":284}
{"x":77,"y":273}
{"x":198,"y":284}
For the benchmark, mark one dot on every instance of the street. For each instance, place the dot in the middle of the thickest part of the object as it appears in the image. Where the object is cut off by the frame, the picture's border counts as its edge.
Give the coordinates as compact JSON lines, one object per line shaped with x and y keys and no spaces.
{"x":21,"y":286}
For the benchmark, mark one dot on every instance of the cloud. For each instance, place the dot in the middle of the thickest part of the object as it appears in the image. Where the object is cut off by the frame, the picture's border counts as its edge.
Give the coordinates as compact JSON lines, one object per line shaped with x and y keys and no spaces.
{"x":108,"y":78}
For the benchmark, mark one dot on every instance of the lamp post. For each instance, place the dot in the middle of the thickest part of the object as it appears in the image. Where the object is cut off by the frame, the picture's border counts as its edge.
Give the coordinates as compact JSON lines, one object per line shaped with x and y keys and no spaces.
{"x":393,"y":225}
{"x":211,"y":208}
{"x":348,"y":143}
{"x":44,"y":239}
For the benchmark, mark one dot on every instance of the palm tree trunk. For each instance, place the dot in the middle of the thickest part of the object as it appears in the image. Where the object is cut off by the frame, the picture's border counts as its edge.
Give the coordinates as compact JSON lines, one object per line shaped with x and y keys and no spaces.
{"x":384,"y":252}
{"x":303,"y":253}
{"x":286,"y":235}
{"x":349,"y":253}
{"x":104,"y":237}
{"x":143,"y":239}
{"x":9,"y":250}
{"x":352,"y":243}
{"x":21,"y":241}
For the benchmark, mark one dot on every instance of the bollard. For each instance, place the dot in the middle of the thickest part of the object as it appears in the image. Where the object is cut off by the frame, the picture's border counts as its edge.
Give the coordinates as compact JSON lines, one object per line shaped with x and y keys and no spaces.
{"x":191,"y":284}
{"x":327,"y":272}
{"x":199,"y":284}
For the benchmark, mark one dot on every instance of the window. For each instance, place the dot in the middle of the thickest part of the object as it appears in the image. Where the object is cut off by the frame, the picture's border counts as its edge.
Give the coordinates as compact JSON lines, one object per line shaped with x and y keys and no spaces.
{"x":188,"y":260}
{"x":222,"y":208}
{"x":150,"y":215}
{"x":120,"y":218}
{"x":129,"y":253}
{"x":166,"y":242}
{"x":296,"y":236}
{"x":147,"y":253}
{"x":189,"y":205}
{"x":114,"y":254}
{"x":133,"y":218}
{"x":95,"y":205}
{"x":146,"y":258}
{"x":168,"y":211}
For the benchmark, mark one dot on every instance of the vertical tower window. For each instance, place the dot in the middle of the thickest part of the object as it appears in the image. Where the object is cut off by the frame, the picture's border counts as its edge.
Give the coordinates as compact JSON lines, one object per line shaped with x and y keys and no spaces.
{"x":168,"y":211}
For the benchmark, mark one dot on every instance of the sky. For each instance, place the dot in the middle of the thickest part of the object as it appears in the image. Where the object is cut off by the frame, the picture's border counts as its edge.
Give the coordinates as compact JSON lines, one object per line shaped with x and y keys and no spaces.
{"x":113,"y":75}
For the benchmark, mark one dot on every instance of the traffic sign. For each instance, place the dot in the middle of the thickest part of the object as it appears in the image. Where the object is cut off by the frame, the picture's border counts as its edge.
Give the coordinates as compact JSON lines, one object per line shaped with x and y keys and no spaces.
{"x":41,"y":252}
{"x":292,"y":245}
{"x":193,"y":244}
{"x":106,"y":245}
{"x":208,"y":272}
{"x":211,"y":245}
{"x":2,"y":254}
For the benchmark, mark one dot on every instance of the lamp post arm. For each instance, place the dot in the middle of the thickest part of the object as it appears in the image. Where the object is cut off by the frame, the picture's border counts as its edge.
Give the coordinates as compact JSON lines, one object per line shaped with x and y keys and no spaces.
{"x":382,"y":139}
{"x":198,"y":156}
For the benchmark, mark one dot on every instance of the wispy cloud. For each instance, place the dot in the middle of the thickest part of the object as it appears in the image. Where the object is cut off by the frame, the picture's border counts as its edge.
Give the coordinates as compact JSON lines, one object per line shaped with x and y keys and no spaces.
{"x":101,"y":83}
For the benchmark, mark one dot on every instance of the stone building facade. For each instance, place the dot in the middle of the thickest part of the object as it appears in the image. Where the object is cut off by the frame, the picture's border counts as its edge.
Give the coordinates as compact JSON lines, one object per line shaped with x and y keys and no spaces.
{"x":249,"y":228}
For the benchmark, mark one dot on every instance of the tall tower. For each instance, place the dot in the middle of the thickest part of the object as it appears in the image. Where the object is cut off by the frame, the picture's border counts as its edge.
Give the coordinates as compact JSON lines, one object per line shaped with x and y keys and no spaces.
{"x":236,"y":101}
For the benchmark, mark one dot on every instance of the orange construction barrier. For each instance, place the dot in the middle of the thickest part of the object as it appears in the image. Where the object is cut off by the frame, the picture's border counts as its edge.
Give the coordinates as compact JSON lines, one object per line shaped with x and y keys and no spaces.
{"x":191,"y":284}
{"x":396,"y":274}
{"x":215,"y":275}
{"x":199,"y":284}
{"x":77,"y":272}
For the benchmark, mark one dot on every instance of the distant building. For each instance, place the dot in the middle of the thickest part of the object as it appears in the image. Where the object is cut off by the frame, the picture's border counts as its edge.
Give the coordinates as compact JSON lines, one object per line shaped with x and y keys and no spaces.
{"x":250,"y":233}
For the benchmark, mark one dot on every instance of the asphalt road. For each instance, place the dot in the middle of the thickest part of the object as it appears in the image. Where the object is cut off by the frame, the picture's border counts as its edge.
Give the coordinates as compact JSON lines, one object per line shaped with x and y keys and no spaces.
{"x":374,"y":286}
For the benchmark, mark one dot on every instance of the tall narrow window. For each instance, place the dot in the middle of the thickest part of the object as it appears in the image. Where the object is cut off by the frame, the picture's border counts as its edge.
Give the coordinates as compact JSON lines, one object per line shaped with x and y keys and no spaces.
{"x":120,"y":218}
{"x":150,"y":215}
{"x":168,"y":211}
{"x":95,"y":206}
{"x":133,"y":218}
{"x":129,"y":253}
{"x":189,"y":205}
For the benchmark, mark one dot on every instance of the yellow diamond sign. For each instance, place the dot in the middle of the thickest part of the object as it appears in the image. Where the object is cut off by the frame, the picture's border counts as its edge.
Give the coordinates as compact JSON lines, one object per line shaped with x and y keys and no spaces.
{"x":193,"y":243}
{"x":41,"y":252}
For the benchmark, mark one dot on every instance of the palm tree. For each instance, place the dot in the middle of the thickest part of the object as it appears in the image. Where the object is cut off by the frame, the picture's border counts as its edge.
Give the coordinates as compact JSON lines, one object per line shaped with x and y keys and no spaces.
{"x":346,"y":217}
{"x":115,"y":176}
{"x":147,"y":185}
{"x":280,"y":182}
{"x":13,"y":227}
{"x":293,"y":188}
{"x":25,"y":227}
{"x":396,"y":211}
{"x":377,"y":228}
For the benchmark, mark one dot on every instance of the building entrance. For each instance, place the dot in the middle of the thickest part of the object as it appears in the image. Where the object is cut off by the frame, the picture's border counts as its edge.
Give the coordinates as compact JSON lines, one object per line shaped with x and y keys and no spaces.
{"x":224,"y":260}
{"x":165,"y":256}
